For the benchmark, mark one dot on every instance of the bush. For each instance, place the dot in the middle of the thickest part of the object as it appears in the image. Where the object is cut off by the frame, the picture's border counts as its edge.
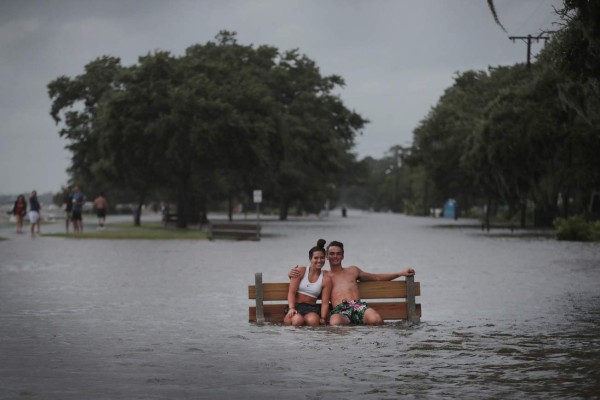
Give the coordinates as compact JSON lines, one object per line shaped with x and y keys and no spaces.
{"x":576,"y":229}
{"x":596,"y":231}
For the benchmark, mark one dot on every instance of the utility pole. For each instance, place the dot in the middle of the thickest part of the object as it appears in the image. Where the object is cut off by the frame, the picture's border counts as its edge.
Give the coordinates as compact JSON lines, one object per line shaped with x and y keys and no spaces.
{"x":528,"y":39}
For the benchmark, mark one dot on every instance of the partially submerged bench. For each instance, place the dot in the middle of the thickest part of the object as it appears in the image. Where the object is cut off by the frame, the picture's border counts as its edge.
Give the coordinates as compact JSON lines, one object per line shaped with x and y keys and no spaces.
{"x":393,"y":300}
{"x":234,"y":231}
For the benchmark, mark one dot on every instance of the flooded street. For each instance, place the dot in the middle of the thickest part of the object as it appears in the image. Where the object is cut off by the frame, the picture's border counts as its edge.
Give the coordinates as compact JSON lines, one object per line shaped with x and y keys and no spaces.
{"x":504,"y":316}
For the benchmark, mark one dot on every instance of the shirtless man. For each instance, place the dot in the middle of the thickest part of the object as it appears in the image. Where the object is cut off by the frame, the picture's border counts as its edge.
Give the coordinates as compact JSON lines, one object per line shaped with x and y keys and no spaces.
{"x":101,"y":204}
{"x":345,"y":299}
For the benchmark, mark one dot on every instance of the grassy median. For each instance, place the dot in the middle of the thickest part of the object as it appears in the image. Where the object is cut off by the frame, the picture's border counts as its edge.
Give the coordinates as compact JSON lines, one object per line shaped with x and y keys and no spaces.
{"x":147,"y":231}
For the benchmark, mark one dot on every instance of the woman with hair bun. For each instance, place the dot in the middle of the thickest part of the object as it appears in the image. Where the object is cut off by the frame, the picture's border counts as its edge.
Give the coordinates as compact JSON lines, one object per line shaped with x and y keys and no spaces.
{"x":305,"y":288}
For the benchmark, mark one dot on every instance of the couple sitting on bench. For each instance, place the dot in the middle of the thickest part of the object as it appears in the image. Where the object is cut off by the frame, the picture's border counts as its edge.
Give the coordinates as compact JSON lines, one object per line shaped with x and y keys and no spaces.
{"x":338,"y":286}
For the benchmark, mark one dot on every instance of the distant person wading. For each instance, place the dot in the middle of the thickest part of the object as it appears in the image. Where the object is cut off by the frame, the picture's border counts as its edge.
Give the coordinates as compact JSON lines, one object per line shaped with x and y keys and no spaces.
{"x":76,"y":216}
{"x":101,"y":205}
{"x":34,"y":213}
{"x":19,"y":210}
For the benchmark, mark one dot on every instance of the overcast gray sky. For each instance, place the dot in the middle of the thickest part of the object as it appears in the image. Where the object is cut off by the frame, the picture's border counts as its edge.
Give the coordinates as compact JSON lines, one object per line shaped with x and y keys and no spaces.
{"x":397,"y":57}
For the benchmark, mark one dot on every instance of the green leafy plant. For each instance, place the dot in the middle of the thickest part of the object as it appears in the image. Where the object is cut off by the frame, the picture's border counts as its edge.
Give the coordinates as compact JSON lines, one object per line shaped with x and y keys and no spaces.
{"x":576,"y":229}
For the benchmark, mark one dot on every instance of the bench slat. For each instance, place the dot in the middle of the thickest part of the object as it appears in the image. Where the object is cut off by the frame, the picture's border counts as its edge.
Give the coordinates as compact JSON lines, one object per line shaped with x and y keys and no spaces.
{"x":242,"y":227}
{"x":271,"y":291}
{"x":240,"y":231}
{"x":173,"y":217}
{"x":273,"y":313}
{"x":385,"y":289}
{"x":367,"y":290}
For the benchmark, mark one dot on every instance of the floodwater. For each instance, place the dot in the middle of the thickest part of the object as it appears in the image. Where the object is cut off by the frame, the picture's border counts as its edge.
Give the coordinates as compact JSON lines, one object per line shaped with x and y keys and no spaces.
{"x":505,"y":316}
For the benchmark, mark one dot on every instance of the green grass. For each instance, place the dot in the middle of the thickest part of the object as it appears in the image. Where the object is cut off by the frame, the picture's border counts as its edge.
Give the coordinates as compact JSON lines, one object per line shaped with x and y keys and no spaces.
{"x":148,"y":231}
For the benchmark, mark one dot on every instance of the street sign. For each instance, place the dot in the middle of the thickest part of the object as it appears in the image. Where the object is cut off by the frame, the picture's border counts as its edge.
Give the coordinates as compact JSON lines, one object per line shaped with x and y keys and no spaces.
{"x":258,"y":196}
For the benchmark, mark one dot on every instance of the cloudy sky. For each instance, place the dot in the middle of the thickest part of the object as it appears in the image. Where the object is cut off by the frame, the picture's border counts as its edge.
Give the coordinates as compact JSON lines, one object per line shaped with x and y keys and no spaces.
{"x":397,"y":57}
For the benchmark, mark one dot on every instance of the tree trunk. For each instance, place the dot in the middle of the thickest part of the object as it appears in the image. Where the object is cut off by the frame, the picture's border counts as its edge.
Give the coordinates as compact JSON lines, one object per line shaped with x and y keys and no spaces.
{"x":426,"y":208}
{"x":523,"y":214}
{"x":203,"y":211}
{"x":182,"y":202}
{"x":283,"y":209}
{"x":137,"y":213}
{"x":488,"y":210}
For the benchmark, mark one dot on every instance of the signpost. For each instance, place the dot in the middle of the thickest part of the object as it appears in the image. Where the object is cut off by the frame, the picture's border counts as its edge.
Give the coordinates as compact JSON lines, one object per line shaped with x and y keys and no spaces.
{"x":257,"y":200}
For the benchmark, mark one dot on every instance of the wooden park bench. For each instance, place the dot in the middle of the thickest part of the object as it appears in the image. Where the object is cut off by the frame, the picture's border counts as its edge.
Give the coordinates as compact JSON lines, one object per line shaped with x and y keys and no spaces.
{"x":171,"y":218}
{"x":393,"y":300}
{"x":234,"y":231}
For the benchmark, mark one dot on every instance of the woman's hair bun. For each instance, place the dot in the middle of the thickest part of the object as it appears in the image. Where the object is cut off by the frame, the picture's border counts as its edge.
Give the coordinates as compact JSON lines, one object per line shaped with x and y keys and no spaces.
{"x":321,"y":243}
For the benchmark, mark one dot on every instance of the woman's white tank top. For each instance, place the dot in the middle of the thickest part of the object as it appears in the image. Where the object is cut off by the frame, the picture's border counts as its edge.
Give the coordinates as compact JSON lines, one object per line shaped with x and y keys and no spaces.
{"x":312,"y":289}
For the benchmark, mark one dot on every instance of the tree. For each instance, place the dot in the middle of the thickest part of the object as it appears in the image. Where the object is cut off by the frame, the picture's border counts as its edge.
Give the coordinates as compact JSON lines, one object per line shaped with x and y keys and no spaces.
{"x":574,"y":56}
{"x":242,"y":121}
{"x":516,"y":145}
{"x":439,"y":140}
{"x":74,"y":104}
{"x":315,"y":133}
{"x":131,"y":124}
{"x":207,"y":126}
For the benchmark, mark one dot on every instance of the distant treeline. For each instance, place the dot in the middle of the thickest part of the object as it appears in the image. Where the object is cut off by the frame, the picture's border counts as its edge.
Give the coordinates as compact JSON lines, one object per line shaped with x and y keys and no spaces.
{"x":523,"y":139}
{"x":44,"y":198}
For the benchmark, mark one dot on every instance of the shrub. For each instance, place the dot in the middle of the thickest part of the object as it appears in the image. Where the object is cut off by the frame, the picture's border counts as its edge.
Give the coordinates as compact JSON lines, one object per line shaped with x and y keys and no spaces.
{"x":596,"y":231}
{"x":576,"y":229}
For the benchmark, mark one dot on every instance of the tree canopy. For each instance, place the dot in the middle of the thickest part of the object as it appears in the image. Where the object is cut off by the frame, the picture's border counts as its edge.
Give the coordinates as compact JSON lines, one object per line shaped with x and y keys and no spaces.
{"x":521,"y":136}
{"x":517,"y":138}
{"x":209,"y":126}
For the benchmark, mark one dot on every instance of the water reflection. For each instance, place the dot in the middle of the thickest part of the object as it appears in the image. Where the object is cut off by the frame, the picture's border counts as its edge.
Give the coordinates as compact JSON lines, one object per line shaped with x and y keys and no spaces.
{"x":503,"y":317}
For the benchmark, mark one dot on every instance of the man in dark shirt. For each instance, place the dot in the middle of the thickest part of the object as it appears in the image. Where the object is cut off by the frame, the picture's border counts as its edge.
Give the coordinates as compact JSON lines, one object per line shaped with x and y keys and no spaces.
{"x":78,"y":202}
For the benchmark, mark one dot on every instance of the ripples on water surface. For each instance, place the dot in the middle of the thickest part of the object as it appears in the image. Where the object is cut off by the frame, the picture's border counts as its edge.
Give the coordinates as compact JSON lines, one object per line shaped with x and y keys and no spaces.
{"x":503,"y":317}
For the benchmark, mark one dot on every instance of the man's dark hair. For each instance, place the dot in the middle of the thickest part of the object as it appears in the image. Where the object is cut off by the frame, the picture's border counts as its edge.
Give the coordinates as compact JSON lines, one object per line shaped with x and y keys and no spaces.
{"x":336,"y":244}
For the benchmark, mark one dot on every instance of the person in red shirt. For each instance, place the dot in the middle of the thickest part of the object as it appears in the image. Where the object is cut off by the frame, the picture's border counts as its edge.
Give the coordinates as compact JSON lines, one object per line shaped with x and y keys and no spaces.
{"x":19,"y":210}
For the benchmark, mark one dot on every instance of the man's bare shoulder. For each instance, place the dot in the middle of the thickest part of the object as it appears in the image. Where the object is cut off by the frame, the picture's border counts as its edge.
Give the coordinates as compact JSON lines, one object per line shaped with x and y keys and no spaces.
{"x":353,"y":267}
{"x":352,"y":270}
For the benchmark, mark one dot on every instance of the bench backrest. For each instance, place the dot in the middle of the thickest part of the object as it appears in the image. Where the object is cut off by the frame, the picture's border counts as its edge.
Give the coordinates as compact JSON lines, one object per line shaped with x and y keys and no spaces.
{"x":394,"y":300}
{"x":234,"y":230}
{"x":238,"y":227}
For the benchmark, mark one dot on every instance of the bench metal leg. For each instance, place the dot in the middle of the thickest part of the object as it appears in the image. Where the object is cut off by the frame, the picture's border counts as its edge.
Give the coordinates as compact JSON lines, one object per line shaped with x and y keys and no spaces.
{"x":260,"y":311}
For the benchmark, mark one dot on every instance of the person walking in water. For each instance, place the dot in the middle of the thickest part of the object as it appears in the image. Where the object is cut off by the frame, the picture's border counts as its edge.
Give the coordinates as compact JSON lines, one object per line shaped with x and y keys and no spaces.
{"x":34,"y":213}
{"x":19,"y":211}
{"x":101,"y":205}
{"x":76,"y":216}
